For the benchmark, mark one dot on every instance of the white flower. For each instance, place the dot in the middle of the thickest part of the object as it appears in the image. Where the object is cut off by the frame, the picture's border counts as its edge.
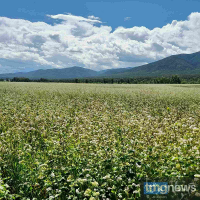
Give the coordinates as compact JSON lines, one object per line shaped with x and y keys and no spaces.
{"x":195,"y":129}
{"x":119,"y":178}
{"x":88,"y":192}
{"x":48,"y":189}
{"x":95,"y":184}
{"x":107,"y":176}
{"x":96,"y":194}
{"x":135,"y":185}
{"x":138,"y":165}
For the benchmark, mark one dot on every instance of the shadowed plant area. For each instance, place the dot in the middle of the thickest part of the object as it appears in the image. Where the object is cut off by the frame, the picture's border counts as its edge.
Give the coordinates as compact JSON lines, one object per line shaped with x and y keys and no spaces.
{"x":90,"y":141}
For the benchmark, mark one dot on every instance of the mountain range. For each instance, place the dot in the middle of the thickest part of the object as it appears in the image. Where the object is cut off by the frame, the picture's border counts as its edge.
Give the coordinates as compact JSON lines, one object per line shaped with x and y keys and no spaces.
{"x":182,"y":64}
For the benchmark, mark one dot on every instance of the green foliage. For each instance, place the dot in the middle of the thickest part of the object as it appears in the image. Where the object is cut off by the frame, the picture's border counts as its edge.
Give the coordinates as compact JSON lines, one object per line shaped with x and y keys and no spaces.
{"x":95,"y":141}
{"x":21,"y":79}
{"x":148,"y":80}
{"x":175,"y":79}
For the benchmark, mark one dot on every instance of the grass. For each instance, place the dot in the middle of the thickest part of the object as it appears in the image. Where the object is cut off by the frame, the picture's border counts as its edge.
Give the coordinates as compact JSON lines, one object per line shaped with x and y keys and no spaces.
{"x":90,"y":141}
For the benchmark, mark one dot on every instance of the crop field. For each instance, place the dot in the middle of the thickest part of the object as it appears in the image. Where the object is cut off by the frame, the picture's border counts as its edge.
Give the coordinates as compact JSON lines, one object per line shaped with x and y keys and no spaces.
{"x":95,"y":141}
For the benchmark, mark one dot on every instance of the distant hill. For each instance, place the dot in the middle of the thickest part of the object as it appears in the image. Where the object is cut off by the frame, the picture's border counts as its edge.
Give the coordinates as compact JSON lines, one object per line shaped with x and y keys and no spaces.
{"x":183,"y":64}
{"x":66,"y":73}
{"x":109,"y":72}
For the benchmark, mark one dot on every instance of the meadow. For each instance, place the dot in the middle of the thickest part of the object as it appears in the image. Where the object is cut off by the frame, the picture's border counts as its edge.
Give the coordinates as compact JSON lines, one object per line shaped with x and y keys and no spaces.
{"x":95,"y":141}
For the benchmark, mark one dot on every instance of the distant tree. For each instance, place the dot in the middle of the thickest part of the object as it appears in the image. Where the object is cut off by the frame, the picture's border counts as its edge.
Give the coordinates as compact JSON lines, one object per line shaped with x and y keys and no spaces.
{"x":20,"y":79}
{"x":175,"y":79}
{"x":121,"y":80}
{"x":43,"y":80}
{"x":76,"y":80}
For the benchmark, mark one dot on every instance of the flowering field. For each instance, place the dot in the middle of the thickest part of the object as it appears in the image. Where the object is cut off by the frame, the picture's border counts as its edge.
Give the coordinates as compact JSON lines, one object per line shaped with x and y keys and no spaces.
{"x":95,"y":141}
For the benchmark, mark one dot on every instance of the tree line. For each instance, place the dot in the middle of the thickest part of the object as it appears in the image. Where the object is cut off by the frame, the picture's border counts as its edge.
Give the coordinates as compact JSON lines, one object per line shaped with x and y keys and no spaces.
{"x":139,"y":80}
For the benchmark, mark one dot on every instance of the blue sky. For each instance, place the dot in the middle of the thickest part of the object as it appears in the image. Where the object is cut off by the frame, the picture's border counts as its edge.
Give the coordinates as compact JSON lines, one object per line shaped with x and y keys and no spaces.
{"x":96,"y":34}
{"x":151,"y":14}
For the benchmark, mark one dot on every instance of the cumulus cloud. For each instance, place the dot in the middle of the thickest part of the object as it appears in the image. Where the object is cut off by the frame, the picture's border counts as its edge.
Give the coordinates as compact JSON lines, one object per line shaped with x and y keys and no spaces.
{"x":75,"y":40}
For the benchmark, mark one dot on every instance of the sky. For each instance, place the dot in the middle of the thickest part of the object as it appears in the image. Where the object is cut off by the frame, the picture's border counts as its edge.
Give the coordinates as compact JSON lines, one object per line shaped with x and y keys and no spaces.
{"x":95,"y":34}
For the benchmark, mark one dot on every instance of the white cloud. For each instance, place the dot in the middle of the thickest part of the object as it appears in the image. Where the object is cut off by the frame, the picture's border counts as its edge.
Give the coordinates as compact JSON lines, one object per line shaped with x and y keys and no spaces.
{"x":73,"y":18}
{"x":127,"y":18}
{"x":75,"y":40}
{"x":93,"y":17}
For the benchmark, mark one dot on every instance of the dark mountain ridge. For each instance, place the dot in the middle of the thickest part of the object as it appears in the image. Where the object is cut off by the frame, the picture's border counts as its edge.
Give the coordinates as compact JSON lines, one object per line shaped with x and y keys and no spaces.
{"x":182,"y":64}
